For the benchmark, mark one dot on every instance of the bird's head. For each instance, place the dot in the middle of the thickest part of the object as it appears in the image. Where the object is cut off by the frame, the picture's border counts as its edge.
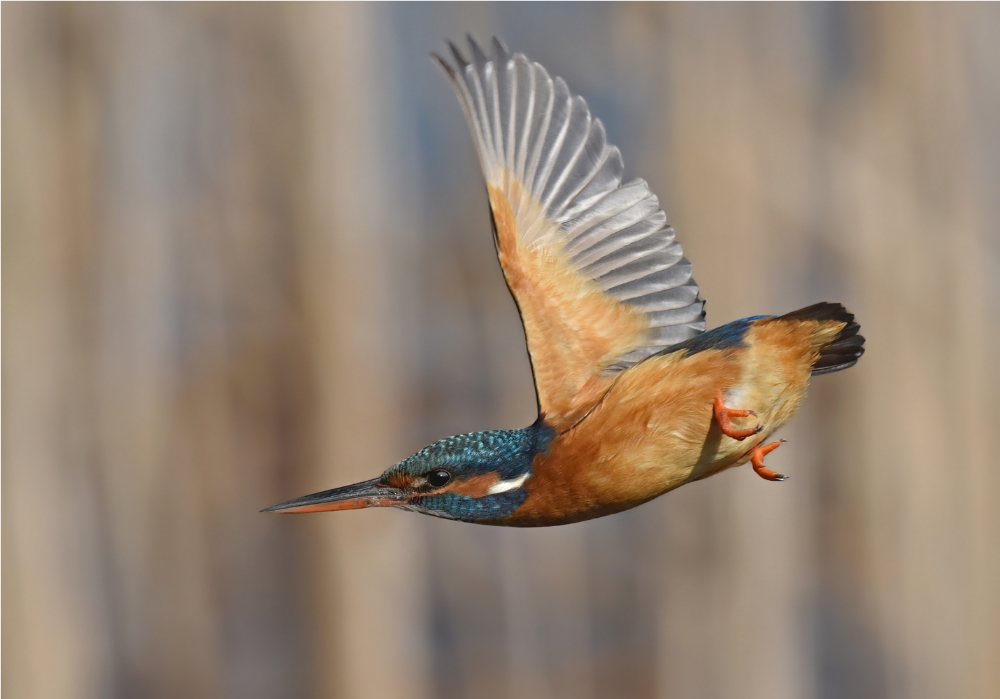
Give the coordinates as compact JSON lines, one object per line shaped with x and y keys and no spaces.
{"x":481,"y":475}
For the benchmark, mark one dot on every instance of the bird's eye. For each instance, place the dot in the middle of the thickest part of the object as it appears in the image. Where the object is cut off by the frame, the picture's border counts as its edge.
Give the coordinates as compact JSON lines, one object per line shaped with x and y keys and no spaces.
{"x":438,"y":478}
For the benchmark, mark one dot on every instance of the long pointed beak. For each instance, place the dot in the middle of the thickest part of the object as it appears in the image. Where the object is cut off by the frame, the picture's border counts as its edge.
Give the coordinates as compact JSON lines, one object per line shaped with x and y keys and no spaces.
{"x":350,"y":497}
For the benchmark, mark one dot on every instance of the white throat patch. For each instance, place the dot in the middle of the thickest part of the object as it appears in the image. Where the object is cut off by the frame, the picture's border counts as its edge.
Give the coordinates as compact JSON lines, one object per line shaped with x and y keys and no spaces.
{"x":504,"y":486}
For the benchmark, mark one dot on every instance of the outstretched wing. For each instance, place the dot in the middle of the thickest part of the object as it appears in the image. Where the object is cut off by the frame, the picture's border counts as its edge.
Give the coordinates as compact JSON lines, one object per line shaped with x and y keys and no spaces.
{"x":593,"y":266}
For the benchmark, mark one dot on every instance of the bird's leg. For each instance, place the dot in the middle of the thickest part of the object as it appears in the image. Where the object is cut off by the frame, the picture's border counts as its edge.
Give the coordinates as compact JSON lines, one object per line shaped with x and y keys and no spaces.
{"x":722,"y":415}
{"x":757,"y":460}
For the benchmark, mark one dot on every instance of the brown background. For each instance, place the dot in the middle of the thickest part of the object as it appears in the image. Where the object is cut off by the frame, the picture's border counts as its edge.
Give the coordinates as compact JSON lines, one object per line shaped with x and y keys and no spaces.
{"x":246,"y":256}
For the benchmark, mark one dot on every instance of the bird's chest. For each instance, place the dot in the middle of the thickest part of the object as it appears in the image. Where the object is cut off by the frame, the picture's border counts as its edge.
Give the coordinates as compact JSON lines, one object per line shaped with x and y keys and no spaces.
{"x":613,"y":466}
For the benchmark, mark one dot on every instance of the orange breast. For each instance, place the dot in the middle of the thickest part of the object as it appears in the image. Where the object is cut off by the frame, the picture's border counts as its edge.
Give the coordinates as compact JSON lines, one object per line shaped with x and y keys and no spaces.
{"x":643,"y":439}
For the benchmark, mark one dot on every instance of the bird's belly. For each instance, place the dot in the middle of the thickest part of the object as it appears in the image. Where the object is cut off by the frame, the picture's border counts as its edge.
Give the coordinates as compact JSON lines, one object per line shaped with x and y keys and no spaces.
{"x":772,"y":405}
{"x":654,"y":432}
{"x":582,"y":478}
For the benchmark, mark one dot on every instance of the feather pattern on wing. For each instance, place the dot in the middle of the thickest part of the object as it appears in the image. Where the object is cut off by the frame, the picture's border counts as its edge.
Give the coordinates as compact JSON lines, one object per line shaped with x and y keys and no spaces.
{"x":598,"y":277}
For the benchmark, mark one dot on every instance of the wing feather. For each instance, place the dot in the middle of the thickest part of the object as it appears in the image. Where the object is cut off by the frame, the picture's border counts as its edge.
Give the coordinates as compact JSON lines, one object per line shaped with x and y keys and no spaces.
{"x":599,"y":279}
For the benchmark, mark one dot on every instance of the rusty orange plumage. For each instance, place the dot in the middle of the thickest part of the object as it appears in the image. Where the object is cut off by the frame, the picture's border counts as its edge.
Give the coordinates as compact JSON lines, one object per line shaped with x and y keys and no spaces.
{"x":635,"y":398}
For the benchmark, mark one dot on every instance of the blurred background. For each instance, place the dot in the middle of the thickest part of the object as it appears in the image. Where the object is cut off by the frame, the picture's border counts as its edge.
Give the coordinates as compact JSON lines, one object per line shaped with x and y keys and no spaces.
{"x":247,"y":256}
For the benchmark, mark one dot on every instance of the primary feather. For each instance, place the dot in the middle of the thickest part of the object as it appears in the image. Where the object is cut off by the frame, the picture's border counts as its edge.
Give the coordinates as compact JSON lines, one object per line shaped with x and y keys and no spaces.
{"x":546,"y":158}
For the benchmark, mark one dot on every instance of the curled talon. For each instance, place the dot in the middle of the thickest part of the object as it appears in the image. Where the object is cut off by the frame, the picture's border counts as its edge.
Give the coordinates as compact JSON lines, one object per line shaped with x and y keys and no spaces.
{"x":757,"y":460}
{"x":723,"y":415}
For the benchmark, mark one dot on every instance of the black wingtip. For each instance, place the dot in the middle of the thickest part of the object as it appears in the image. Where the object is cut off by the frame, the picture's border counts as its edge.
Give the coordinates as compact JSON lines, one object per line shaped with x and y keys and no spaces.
{"x":459,"y":58}
{"x":500,"y":49}
{"x":478,"y":55}
{"x":444,"y":65}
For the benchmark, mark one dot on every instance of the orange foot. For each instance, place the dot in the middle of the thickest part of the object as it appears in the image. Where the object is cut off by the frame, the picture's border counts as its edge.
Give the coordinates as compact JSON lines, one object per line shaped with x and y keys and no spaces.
{"x":757,"y":459}
{"x":722,"y":415}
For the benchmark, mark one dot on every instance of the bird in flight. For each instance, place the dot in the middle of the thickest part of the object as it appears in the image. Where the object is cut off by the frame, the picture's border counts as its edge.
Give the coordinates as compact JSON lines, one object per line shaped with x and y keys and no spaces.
{"x":634,"y":397}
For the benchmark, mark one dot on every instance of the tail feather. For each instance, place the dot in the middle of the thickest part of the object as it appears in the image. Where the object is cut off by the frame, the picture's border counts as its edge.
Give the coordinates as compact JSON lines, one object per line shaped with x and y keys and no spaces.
{"x":845,"y":349}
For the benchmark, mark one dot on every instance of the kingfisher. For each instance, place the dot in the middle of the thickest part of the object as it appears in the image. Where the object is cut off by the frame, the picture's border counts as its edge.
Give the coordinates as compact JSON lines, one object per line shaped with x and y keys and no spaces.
{"x":635,"y":397}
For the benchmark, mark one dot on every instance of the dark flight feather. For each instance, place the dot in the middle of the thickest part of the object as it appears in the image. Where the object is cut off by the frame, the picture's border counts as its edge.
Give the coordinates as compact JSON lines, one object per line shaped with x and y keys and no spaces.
{"x":846,"y":349}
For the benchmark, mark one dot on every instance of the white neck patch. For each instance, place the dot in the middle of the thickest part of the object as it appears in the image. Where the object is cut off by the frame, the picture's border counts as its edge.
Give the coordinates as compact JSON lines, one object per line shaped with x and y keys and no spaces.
{"x":504,"y":486}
